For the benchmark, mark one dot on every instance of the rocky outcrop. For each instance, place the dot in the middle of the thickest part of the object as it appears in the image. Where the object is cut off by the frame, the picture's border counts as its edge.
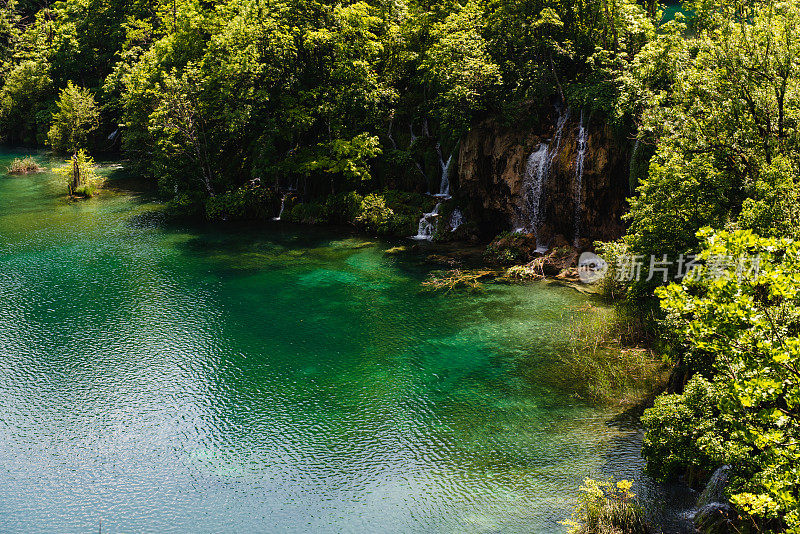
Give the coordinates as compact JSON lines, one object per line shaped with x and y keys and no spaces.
{"x":491,"y":173}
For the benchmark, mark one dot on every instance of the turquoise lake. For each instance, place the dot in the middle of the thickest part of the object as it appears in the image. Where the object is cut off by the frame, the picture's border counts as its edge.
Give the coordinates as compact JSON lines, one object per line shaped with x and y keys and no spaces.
{"x":157,"y":377}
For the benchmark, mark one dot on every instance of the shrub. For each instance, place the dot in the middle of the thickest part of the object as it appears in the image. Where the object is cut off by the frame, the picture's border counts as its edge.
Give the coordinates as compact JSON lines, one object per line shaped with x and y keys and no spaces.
{"x":306,"y":213}
{"x":607,"y":508}
{"x":375,"y":216}
{"x":79,"y":175}
{"x":245,"y":203}
{"x":680,"y":431}
{"x":613,"y":253}
{"x":24,"y":166}
{"x":511,"y":248}
{"x":342,"y":208}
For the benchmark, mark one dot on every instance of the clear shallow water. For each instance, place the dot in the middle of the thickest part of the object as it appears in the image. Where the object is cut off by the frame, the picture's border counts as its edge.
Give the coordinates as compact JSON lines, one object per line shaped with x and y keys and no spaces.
{"x":167,"y":379}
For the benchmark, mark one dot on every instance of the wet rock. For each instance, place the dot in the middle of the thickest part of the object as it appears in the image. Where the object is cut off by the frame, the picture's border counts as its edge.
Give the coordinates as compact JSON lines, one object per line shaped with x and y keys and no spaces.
{"x":491,"y":170}
{"x":716,"y":518}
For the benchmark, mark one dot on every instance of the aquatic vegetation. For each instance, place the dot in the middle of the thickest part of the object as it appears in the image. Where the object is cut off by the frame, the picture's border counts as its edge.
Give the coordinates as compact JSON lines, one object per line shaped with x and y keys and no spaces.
{"x":24,"y":166}
{"x":607,"y":359}
{"x":471,"y":280}
{"x":606,"y":507}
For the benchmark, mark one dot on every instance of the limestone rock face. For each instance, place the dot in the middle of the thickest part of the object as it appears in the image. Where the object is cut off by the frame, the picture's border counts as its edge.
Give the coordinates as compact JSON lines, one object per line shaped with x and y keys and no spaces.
{"x":491,"y":173}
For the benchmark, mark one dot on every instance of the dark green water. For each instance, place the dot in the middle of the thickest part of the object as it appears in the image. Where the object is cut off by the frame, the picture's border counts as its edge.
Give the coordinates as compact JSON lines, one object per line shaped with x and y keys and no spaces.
{"x":165,"y":379}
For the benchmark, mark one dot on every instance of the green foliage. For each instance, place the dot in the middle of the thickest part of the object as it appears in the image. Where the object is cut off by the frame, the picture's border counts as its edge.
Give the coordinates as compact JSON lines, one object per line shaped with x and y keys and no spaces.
{"x":460,"y":67}
{"x":343,"y":208}
{"x":23,"y":110}
{"x":740,"y":328}
{"x":315,"y":94}
{"x":79,"y":175}
{"x":723,"y":108}
{"x":511,"y":248}
{"x":685,"y":433}
{"x":307,"y":213}
{"x":245,"y":203}
{"x":76,"y":118}
{"x":375,"y":216}
{"x":605,"y":507}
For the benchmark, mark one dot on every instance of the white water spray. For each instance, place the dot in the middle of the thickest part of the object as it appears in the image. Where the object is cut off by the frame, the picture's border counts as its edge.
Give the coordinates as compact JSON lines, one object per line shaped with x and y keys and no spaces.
{"x":428,"y":222}
{"x":537,"y":170}
{"x":427,"y":225}
{"x":533,"y":187}
{"x":580,"y":158}
{"x":283,"y":205}
{"x":456,"y":220}
{"x":444,"y":184}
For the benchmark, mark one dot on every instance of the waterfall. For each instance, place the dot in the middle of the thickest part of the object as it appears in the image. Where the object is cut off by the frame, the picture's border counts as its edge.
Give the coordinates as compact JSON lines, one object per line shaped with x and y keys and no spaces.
{"x":579,"y":160}
{"x":444,"y":181}
{"x":535,"y":173}
{"x":556,"y":144}
{"x":283,"y":204}
{"x":456,"y":219}
{"x":427,"y":225}
{"x":537,"y":169}
{"x":444,"y":185}
{"x":714,"y":491}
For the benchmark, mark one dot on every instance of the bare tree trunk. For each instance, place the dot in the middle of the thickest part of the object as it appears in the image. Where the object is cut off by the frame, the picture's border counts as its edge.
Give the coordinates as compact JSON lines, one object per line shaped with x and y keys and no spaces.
{"x":76,"y":176}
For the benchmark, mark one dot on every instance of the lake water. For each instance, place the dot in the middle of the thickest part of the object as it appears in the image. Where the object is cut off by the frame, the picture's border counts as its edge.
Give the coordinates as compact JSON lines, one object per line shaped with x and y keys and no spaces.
{"x":166,"y":378}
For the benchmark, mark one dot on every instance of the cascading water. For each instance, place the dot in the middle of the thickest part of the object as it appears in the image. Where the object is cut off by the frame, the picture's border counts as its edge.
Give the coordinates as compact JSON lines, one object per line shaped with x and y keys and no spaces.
{"x":444,"y":185}
{"x":714,"y":491}
{"x":537,"y":170}
{"x":579,"y":161}
{"x":283,"y":205}
{"x":427,"y":224}
{"x":713,"y":512}
{"x":556,"y":144}
{"x":456,"y":219}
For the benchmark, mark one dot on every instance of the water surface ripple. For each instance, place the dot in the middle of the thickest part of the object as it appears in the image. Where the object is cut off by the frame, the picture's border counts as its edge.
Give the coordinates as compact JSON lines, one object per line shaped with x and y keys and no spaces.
{"x":159,"y":378}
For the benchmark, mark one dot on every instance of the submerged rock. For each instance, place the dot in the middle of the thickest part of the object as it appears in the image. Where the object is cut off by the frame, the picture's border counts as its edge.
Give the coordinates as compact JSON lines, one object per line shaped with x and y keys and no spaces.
{"x":716,"y":518}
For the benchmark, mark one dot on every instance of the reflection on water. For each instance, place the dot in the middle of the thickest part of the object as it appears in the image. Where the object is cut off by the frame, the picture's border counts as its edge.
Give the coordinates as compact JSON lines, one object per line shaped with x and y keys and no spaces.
{"x":175,"y":379}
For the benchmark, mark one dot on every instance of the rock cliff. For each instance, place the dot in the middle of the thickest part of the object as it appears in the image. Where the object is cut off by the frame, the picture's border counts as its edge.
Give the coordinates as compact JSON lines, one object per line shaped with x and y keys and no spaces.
{"x":492,"y":172}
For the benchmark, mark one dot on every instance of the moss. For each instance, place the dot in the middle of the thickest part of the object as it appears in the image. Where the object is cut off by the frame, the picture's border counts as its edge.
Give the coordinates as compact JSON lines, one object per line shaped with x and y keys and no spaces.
{"x":85,"y":191}
{"x":511,"y":249}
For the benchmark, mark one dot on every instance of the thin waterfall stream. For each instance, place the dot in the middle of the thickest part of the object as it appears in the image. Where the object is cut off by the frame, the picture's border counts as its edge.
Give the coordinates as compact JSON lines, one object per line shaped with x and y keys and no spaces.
{"x":580,"y":158}
{"x":428,"y":222}
{"x":537,"y":170}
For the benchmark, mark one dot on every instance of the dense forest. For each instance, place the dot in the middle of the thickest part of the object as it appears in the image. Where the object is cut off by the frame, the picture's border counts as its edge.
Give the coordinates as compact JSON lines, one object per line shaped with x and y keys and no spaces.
{"x":351,"y":105}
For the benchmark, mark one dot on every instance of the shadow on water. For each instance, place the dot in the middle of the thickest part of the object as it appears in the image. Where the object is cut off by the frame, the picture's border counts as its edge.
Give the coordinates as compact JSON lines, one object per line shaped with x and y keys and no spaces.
{"x":666,"y":504}
{"x":176,"y":377}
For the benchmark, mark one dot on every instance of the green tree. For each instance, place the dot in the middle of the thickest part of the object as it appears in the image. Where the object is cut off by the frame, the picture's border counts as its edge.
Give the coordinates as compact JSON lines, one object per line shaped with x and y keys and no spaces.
{"x":726,"y":129}
{"x":738,"y":320}
{"x":77,"y":117}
